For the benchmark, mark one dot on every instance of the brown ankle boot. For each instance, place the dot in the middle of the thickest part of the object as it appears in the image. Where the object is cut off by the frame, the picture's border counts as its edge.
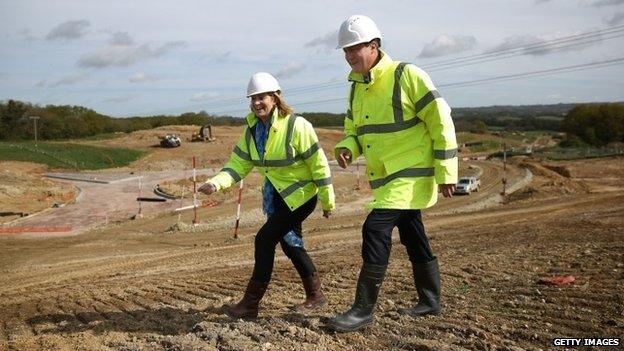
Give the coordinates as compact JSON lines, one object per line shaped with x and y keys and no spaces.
{"x":248,"y":306}
{"x":314,"y":294}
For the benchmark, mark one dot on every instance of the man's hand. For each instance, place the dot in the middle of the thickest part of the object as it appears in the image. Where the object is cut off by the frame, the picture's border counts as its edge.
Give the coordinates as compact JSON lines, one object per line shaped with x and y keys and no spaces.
{"x":447,"y":189}
{"x":344,"y":156}
{"x":207,"y":188}
{"x":327,"y":213}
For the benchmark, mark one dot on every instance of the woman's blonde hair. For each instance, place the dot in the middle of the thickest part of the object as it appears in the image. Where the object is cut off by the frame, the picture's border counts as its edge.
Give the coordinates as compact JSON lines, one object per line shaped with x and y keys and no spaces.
{"x":283,"y":108}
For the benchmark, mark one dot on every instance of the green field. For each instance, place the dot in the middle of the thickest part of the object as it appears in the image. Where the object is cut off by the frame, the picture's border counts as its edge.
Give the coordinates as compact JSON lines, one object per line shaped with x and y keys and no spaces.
{"x":67,"y":155}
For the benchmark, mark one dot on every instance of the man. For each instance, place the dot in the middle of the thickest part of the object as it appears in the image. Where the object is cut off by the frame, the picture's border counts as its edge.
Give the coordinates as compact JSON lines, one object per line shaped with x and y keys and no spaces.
{"x":402,"y":126}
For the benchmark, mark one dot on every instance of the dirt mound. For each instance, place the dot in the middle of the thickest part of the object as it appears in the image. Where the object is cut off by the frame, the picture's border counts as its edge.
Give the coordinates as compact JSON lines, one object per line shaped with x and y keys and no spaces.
{"x":23,"y":190}
{"x":548,"y":180}
{"x":561,"y":170}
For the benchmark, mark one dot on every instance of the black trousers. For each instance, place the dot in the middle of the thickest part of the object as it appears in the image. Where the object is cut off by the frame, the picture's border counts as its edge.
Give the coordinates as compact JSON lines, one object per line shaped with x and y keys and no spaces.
{"x":272,"y":232}
{"x":377,"y":236}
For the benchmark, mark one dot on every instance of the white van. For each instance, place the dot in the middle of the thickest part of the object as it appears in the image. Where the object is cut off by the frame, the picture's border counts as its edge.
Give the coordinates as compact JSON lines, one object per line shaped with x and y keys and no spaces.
{"x":466,"y":185}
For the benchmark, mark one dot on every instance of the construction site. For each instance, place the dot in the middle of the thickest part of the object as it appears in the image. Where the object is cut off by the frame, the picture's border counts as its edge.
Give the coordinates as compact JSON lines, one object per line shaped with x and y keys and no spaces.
{"x":536,"y":254}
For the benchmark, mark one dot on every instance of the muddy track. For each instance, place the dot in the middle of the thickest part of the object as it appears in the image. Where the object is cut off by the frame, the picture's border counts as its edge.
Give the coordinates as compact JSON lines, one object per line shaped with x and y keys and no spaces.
{"x":126,"y":291}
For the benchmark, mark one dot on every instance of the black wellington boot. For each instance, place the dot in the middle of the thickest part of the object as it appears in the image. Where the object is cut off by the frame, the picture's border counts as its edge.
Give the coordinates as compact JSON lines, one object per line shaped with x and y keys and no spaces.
{"x":427,"y":281}
{"x":361,"y":313}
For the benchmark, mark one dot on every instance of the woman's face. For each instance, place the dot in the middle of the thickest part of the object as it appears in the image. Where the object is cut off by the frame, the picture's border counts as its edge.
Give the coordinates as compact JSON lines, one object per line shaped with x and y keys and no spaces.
{"x":262,"y":104}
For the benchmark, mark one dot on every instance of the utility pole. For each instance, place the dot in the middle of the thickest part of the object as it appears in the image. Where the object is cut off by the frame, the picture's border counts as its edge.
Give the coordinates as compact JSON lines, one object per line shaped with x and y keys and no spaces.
{"x":35,"y":118}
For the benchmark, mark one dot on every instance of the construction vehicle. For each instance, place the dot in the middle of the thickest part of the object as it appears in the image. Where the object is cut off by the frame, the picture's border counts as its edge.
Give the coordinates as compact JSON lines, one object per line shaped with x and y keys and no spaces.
{"x":170,"y":140}
{"x":205,"y":134}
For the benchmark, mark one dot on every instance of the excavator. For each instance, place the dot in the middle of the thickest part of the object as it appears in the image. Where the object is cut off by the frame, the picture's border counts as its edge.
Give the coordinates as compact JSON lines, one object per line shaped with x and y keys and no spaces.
{"x":205,"y":134}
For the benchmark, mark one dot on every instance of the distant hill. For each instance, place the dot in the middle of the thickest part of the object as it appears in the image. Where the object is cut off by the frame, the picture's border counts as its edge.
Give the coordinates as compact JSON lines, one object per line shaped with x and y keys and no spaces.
{"x":558,"y":110}
{"x":63,"y":122}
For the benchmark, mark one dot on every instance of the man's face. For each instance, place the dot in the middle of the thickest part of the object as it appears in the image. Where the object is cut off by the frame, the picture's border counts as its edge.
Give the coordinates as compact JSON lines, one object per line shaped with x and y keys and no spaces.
{"x":361,"y":57}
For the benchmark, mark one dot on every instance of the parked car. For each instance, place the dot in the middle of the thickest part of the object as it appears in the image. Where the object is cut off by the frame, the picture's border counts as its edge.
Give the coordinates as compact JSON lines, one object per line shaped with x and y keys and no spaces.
{"x":170,"y":140}
{"x":466,"y":185}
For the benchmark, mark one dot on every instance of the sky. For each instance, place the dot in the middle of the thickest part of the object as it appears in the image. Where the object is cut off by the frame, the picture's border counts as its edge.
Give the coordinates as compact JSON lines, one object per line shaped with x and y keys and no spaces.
{"x":145,"y":57}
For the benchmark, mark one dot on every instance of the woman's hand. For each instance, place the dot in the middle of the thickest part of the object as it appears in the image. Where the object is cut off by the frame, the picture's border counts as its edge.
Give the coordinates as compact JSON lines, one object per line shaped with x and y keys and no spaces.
{"x":207,"y":188}
{"x":327,"y":213}
{"x":344,"y":157}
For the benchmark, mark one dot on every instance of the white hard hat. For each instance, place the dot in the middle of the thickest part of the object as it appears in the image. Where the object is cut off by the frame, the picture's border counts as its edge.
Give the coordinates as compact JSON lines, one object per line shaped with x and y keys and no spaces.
{"x":262,"y":82}
{"x":357,"y":29}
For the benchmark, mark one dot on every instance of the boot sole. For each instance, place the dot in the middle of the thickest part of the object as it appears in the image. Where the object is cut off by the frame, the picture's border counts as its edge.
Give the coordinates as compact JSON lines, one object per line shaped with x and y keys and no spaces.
{"x":344,"y":329}
{"x":406,"y":312}
{"x":229,"y":313}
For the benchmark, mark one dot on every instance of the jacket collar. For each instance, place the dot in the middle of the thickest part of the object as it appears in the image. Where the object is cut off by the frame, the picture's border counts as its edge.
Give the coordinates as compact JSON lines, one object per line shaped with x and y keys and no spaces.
{"x":383,"y":65}
{"x":276,"y":121}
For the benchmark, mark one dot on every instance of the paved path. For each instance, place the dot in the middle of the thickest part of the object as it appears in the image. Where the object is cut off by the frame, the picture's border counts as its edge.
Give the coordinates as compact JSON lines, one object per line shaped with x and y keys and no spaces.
{"x":103,"y":197}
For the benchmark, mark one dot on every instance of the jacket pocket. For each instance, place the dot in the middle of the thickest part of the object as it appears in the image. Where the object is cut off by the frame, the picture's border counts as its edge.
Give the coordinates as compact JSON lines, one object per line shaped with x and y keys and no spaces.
{"x":395,"y":163}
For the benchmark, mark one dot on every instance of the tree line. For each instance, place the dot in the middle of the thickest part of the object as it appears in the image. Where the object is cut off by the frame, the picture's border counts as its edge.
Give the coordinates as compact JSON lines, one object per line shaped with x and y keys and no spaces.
{"x":65,"y":122}
{"x":596,"y":123}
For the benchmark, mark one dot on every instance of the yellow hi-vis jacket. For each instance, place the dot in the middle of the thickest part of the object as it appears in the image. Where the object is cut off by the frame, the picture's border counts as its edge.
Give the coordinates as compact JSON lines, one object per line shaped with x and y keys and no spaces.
{"x":402,"y":126}
{"x":293,"y":162}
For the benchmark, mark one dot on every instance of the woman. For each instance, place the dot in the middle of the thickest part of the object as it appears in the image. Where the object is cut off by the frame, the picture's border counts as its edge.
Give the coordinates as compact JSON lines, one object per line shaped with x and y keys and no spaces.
{"x":286,"y":151}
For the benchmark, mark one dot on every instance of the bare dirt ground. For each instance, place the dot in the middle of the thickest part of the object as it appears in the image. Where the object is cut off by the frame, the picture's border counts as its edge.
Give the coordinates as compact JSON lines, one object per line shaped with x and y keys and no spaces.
{"x":151,"y":284}
{"x":24,"y":191}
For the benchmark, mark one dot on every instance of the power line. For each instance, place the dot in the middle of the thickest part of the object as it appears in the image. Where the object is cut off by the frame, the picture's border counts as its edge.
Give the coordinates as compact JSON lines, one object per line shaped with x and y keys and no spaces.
{"x":533,"y":50}
{"x":585,"y":38}
{"x":536,"y":73}
{"x":531,"y":47}
{"x":498,"y":79}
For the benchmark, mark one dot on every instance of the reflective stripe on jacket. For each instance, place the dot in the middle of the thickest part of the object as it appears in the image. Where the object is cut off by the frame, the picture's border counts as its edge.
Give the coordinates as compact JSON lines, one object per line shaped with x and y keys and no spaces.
{"x":402,"y":126}
{"x":293,"y":161}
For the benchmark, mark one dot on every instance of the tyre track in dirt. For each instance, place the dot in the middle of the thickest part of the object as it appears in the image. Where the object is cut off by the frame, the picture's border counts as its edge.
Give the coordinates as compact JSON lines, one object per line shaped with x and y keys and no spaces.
{"x":157,"y":299}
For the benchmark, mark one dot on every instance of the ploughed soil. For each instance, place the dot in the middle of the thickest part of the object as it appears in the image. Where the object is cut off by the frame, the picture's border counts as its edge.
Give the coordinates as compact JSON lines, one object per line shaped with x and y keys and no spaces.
{"x":158,"y":282}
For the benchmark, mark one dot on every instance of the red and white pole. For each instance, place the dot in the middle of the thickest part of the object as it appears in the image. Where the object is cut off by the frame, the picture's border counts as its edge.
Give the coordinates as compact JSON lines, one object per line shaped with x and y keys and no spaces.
{"x":195,"y":221}
{"x":238,"y":208}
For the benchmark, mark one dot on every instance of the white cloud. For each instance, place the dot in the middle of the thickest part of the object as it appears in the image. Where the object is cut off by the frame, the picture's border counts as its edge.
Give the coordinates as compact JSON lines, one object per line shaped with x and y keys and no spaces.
{"x":68,"y":30}
{"x":68,"y":80}
{"x":537,"y":46}
{"x":448,"y":44}
{"x":126,"y":55}
{"x":541,"y":1}
{"x":141,"y":77}
{"x":290,"y":70}
{"x":518,"y":41}
{"x":208,"y":95}
{"x":601,"y":3}
{"x":26,"y":35}
{"x":121,"y":38}
{"x":326,"y":42}
{"x":218,"y":57}
{"x":615,"y":19}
